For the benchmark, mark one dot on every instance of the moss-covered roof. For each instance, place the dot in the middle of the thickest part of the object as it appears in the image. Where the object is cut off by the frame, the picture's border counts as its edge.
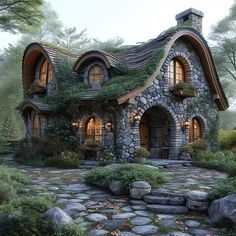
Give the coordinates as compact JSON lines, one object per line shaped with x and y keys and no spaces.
{"x":137,"y":66}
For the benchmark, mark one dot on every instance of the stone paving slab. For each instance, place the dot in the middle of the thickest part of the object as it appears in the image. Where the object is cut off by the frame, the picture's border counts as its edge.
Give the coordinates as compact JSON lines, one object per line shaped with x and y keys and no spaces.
{"x":120,"y":214}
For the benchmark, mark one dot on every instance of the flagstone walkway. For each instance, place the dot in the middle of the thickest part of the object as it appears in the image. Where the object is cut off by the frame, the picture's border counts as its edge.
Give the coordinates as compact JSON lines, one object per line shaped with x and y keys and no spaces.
{"x":105,"y":214}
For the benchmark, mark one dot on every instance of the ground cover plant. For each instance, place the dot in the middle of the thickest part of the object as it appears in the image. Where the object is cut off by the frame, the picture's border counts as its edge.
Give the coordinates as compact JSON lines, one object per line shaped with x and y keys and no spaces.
{"x":126,"y":173}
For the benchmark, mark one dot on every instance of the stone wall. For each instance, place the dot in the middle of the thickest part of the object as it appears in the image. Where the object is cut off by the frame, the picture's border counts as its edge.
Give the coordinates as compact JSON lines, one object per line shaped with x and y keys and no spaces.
{"x":160,"y":95}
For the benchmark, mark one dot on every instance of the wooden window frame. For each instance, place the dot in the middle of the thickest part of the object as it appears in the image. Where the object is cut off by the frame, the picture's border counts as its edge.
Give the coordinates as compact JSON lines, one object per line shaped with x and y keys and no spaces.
{"x":174,"y":73}
{"x":95,"y":137}
{"x":48,"y":72}
{"x":100,"y":76}
{"x":192,"y":130}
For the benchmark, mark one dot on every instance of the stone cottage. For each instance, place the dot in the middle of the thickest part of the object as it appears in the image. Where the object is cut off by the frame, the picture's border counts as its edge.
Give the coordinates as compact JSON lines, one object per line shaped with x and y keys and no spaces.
{"x":160,"y":95}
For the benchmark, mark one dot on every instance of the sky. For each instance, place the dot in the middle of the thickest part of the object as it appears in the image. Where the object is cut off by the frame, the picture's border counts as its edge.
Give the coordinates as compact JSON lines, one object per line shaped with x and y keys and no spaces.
{"x":133,"y":20}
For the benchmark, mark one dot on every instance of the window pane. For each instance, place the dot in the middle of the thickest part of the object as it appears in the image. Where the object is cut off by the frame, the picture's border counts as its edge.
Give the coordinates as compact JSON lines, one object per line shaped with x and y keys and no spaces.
{"x":43,"y":73}
{"x":94,"y":130}
{"x":35,"y":128}
{"x":175,"y":72}
{"x":96,"y":75}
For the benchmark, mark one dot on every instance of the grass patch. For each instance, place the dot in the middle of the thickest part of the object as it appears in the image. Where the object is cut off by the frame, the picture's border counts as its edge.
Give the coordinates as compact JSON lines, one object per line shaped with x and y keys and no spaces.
{"x":227,"y":140}
{"x":223,"y":188}
{"x":23,"y":216}
{"x":126,"y":173}
{"x":71,"y":230}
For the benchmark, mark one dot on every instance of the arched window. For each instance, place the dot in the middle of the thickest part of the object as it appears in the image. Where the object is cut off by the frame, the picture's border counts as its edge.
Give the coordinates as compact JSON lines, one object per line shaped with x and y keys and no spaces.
{"x":176,"y":71}
{"x":35,"y":126}
{"x":93,"y":130}
{"x":45,"y":74}
{"x":194,"y":130}
{"x":96,"y":74}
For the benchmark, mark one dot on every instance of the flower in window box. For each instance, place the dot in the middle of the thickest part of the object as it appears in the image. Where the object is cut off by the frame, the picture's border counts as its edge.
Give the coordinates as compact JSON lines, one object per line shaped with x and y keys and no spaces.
{"x":183,"y":89}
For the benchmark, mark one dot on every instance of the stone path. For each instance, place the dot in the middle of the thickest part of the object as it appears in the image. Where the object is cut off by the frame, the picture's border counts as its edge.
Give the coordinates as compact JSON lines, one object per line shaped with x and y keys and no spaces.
{"x":105,"y":214}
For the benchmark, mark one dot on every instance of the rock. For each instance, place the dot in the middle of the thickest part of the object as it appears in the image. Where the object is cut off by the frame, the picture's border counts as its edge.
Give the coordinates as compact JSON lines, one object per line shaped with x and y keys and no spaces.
{"x":126,"y":234}
{"x":139,"y":189}
{"x":143,"y":213}
{"x":197,"y":195}
{"x":145,"y":230}
{"x":192,"y":223}
{"x":140,"y":221}
{"x":98,"y":232}
{"x":96,"y":217}
{"x":202,"y":232}
{"x":167,"y":209}
{"x":73,"y":209}
{"x":179,"y":234}
{"x":197,"y":200}
{"x":123,"y":215}
{"x":223,"y":211}
{"x":197,"y":205}
{"x":112,"y":224}
{"x":169,"y":200}
{"x":116,"y":187}
{"x":57,"y":217}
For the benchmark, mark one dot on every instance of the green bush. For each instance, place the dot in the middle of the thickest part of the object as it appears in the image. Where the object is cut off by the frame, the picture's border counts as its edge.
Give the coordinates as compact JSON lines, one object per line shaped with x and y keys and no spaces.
{"x":195,"y":147}
{"x":106,"y":157}
{"x":142,"y":153}
{"x":227,"y":139}
{"x":223,"y":188}
{"x":91,"y":143}
{"x":71,"y":230}
{"x":126,"y":173}
{"x":23,"y":216}
{"x":11,"y":182}
{"x":66,"y":159}
{"x":225,"y":161}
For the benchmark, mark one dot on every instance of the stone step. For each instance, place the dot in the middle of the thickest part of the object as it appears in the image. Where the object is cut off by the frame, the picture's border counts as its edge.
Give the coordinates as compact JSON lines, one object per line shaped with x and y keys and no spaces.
{"x":167,"y":209}
{"x":87,"y":162}
{"x":158,"y":193}
{"x":176,"y":201}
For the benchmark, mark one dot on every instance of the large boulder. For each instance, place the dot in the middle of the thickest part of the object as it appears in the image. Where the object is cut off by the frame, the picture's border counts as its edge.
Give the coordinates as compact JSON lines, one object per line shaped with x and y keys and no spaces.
{"x":74,"y":209}
{"x":57,"y":217}
{"x":223,"y":211}
{"x":139,"y":189}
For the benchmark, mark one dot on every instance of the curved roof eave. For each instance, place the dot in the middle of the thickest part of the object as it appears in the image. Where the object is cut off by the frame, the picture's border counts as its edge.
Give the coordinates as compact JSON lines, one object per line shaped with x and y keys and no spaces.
{"x":109,"y":59}
{"x":207,"y":61}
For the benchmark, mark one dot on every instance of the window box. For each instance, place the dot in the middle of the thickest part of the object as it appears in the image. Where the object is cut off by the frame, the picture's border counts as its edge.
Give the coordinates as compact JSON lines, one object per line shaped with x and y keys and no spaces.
{"x":183,"y":89}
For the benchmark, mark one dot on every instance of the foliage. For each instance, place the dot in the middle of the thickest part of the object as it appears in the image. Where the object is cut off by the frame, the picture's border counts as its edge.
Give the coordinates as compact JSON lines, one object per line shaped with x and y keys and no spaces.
{"x":221,"y":160}
{"x":227,"y":139}
{"x":183,"y":85}
{"x":195,"y":147}
{"x":223,"y":188}
{"x":65,"y":159}
{"x":62,"y":132}
{"x":227,"y":119}
{"x":72,"y":40}
{"x":11,"y":182}
{"x":126,"y":173}
{"x":70,"y":230}
{"x":142,"y":152}
{"x":122,"y":84}
{"x":106,"y":157}
{"x":23,"y":216}
{"x":18,"y":16}
{"x":91,"y":143}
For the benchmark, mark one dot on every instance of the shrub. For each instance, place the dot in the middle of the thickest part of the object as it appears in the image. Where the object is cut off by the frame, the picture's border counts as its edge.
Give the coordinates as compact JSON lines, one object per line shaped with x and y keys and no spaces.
{"x":23,"y":216}
{"x":225,"y":161}
{"x":126,"y":173}
{"x":11,"y":182}
{"x":223,"y":188}
{"x":195,"y":147}
{"x":227,"y":139}
{"x":66,"y":159}
{"x":142,"y":152}
{"x":91,"y":143}
{"x":106,"y":157}
{"x":71,"y":230}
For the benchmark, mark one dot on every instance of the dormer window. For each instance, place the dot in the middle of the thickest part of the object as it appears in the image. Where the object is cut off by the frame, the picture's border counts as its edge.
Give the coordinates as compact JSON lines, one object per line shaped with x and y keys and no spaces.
{"x":45,"y":74}
{"x":176,"y":71}
{"x":96,"y":75}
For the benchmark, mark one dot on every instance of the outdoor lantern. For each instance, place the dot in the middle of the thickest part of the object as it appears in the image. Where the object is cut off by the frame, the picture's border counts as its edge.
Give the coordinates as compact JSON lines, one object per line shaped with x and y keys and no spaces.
{"x":75,"y":124}
{"x":108,"y":126}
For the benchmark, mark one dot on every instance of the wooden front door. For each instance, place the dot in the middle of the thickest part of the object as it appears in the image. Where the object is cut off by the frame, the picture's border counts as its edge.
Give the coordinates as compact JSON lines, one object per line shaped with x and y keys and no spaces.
{"x":144,"y":132}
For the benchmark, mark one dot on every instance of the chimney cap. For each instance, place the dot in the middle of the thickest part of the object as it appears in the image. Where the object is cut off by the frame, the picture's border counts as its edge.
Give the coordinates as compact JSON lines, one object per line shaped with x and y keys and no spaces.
{"x":188,"y":12}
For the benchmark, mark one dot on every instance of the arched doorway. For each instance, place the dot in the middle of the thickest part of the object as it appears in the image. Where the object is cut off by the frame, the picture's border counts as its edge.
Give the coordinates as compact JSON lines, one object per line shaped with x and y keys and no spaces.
{"x":93,"y":130}
{"x":154,"y":132}
{"x":195,"y":130}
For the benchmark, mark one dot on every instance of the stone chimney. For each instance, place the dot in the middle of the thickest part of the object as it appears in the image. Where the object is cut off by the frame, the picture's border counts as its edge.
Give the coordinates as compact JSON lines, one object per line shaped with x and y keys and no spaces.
{"x":191,"y":17}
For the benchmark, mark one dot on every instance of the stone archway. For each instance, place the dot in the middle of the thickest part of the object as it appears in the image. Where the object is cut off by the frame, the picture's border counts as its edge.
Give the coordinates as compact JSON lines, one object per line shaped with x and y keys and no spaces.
{"x":156,"y":132}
